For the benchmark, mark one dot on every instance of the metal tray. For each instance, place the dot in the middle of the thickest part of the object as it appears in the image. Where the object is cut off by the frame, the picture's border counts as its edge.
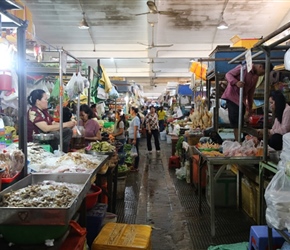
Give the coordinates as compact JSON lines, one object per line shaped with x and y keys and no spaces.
{"x":44,"y":216}
{"x":43,"y":137}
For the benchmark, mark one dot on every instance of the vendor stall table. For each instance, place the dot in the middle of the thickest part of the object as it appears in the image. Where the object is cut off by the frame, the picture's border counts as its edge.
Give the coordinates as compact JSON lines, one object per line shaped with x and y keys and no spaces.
{"x":221,"y":163}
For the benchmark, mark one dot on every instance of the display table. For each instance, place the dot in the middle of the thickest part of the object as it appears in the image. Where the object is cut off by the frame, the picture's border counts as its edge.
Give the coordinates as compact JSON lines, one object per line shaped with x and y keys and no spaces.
{"x":220,"y":163}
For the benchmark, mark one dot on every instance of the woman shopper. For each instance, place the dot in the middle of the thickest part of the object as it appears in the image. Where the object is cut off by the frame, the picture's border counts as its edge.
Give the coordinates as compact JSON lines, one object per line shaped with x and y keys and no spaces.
{"x":152,"y":128}
{"x":134,"y":134}
{"x":40,"y":121}
{"x":119,"y":129}
{"x":91,"y":126}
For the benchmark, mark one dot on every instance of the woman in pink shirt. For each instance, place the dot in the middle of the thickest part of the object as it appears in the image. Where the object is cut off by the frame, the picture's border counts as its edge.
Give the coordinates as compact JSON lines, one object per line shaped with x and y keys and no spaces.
{"x":281,"y":124}
{"x":92,"y":127}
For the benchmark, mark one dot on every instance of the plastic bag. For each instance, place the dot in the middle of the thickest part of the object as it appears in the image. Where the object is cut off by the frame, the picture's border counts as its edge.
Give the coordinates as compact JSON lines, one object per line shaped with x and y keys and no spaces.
{"x":277,"y":198}
{"x":133,"y":152}
{"x":113,"y":94}
{"x":180,"y":173}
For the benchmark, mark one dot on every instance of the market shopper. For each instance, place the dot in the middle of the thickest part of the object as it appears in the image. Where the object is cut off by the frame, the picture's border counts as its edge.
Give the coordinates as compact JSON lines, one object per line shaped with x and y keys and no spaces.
{"x":91,"y":126}
{"x":161,"y":118}
{"x":232,"y":92}
{"x":134,"y":134}
{"x":119,"y":129}
{"x":281,"y":126}
{"x":94,"y":109}
{"x":152,"y":128}
{"x":40,"y":121}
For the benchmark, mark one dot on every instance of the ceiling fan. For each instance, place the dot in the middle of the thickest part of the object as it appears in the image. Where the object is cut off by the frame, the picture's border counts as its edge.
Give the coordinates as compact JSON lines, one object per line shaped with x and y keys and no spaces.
{"x":153,"y":10}
{"x":151,"y":61}
{"x":153,"y":45}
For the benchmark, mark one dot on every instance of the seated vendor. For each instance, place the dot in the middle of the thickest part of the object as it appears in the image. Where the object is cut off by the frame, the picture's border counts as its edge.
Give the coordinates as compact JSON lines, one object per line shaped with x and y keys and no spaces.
{"x":91,"y":126}
{"x":281,"y":126}
{"x":40,"y":121}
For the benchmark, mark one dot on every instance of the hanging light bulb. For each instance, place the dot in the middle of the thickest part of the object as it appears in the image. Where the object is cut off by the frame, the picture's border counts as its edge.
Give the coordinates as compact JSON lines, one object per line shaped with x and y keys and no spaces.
{"x":222,"y":25}
{"x":83,"y":24}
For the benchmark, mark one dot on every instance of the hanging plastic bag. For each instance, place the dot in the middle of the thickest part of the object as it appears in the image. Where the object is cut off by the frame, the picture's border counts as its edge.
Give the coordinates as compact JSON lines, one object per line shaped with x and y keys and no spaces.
{"x":277,"y":197}
{"x":80,"y":83}
{"x":101,"y":93}
{"x":113,"y":94}
{"x":72,"y":88}
{"x":11,"y":94}
{"x":133,"y":152}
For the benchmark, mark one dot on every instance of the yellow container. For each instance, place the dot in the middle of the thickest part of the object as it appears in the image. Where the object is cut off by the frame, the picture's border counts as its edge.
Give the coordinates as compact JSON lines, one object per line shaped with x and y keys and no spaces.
{"x":245,"y":42}
{"x":123,"y":237}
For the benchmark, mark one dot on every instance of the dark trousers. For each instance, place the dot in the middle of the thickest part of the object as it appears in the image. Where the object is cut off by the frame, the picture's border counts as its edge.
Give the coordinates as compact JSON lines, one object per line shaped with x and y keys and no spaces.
{"x":121,"y":151}
{"x":155,"y":134}
{"x":136,"y":161}
{"x":161,"y":125}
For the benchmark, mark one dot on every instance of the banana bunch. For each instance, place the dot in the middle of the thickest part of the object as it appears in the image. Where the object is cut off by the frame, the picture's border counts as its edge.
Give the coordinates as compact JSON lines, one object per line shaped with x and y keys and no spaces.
{"x":102,"y":147}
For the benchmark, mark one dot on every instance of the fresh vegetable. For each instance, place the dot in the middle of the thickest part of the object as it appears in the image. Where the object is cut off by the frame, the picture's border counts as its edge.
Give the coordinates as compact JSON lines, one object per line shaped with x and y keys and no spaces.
{"x":101,"y":147}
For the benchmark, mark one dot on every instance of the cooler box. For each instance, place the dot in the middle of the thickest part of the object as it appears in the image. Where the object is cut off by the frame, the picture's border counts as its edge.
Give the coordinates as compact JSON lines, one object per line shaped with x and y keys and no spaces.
{"x":120,"y":236}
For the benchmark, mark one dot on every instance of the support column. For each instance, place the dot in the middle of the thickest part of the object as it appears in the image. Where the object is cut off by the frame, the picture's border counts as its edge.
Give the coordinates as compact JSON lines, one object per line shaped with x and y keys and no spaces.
{"x":22,"y":86}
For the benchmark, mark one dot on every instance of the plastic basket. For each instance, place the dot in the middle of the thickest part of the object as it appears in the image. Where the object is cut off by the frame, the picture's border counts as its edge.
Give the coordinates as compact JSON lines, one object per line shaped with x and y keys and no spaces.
{"x":108,"y":124}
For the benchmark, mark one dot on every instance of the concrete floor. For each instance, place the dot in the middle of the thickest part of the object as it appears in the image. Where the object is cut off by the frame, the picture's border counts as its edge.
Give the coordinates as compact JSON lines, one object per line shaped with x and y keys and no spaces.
{"x":154,"y":196}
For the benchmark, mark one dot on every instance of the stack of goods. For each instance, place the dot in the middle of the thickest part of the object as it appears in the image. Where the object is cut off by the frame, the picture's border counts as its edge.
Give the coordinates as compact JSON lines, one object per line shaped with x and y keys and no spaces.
{"x":201,"y":117}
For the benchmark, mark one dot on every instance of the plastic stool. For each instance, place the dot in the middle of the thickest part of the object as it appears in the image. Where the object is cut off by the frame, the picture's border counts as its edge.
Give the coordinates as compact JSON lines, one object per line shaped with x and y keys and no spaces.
{"x":174,"y":162}
{"x":259,"y":238}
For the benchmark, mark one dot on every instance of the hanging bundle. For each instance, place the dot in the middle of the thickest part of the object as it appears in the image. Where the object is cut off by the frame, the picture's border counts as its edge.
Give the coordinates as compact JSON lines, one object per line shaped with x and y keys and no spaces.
{"x":5,"y":80}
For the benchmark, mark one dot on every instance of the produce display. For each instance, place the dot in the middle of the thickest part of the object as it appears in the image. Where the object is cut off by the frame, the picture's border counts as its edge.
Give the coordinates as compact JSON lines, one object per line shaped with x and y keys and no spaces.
{"x":201,"y":117}
{"x":208,"y":146}
{"x":45,"y":194}
{"x":101,"y":147}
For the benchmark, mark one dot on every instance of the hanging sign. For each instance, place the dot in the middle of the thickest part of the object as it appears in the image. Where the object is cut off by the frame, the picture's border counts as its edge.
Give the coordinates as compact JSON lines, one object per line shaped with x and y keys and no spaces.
{"x":249,"y":60}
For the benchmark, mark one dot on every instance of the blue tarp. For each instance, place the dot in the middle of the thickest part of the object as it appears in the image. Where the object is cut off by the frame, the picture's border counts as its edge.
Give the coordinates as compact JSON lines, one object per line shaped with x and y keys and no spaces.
{"x":184,"y":90}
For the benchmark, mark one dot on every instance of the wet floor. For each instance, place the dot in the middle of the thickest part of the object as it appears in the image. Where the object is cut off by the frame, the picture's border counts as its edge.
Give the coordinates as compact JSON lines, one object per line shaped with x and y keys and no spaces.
{"x":155,"y":196}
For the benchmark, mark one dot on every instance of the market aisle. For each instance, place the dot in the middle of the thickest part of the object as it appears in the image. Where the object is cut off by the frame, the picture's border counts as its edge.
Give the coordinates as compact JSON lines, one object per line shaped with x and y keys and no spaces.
{"x":154,"y":196}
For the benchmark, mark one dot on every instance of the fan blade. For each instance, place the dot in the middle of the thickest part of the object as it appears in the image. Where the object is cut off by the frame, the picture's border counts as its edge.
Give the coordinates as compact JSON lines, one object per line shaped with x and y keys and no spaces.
{"x":142,"y":14}
{"x":143,"y":44}
{"x":168,"y":13}
{"x":161,"y":45}
{"x":152,"y":6}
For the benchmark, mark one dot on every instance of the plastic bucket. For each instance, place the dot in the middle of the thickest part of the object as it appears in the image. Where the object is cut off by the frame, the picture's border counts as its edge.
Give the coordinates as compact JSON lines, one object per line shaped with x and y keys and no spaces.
{"x":5,"y":80}
{"x":168,"y":139}
{"x":2,"y":170}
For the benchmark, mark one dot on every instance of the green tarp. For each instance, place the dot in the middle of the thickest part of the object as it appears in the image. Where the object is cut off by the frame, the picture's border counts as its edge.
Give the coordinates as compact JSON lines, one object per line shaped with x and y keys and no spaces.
{"x":236,"y":246}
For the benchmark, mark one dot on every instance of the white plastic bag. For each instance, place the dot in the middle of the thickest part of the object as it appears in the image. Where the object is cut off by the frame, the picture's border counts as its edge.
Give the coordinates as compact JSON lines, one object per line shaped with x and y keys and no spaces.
{"x":180,"y":173}
{"x":133,"y":151}
{"x":277,"y":197}
{"x":113,"y":94}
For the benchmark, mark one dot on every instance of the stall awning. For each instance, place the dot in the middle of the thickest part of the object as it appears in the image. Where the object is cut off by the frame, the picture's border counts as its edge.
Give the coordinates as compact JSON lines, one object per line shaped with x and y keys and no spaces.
{"x":185,"y":90}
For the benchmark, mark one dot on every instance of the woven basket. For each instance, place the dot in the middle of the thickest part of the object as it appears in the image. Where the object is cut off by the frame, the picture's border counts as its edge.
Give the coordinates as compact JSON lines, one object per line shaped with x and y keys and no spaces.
{"x":192,"y":140}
